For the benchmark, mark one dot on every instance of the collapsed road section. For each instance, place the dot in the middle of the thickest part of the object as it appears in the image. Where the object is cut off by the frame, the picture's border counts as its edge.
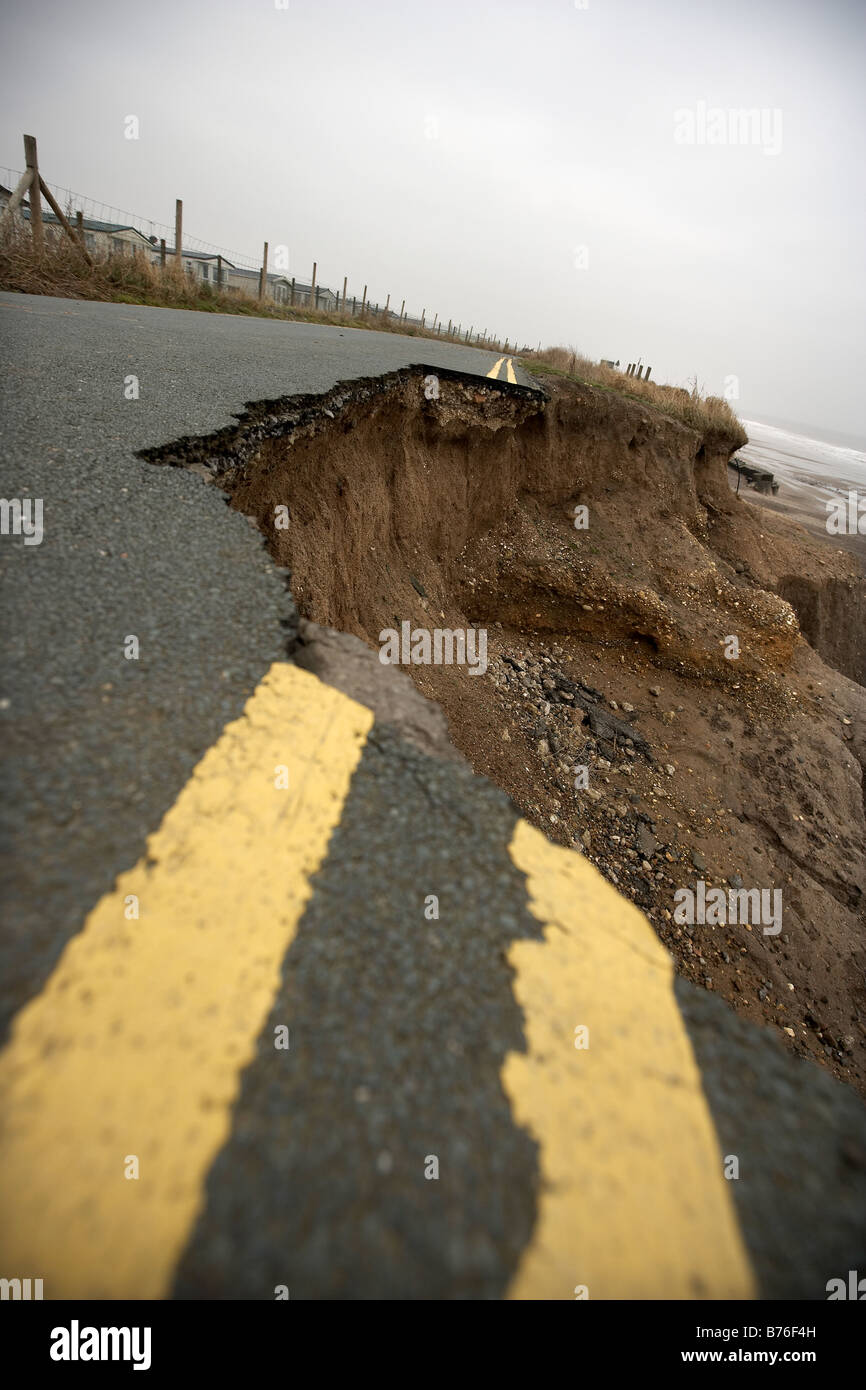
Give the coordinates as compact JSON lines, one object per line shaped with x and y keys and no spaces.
{"x":347,"y":1023}
{"x":650,"y":699}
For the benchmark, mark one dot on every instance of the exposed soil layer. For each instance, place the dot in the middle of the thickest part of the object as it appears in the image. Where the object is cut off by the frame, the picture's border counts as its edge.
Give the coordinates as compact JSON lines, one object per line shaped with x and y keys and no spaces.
{"x":609,"y":648}
{"x":832,"y":618}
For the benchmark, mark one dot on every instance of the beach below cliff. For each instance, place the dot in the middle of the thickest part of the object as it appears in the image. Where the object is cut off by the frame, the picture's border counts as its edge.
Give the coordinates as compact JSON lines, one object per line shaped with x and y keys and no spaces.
{"x":811,"y":473}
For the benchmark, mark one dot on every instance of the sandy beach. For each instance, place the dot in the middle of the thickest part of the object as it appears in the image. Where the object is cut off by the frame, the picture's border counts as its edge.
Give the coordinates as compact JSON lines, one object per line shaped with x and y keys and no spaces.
{"x":810,"y":472}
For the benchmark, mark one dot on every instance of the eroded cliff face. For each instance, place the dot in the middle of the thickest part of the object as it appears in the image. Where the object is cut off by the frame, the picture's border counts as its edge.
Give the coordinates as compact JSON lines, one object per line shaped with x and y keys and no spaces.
{"x":657,"y":645}
{"x":409,"y":487}
{"x":832,"y":616}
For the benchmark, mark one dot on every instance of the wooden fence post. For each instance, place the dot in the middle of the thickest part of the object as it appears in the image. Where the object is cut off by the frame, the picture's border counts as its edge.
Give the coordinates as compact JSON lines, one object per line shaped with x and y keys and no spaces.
{"x":79,"y":226}
{"x":32,"y":180}
{"x":219,"y":272}
{"x":32,"y":162}
{"x":363,"y":301}
{"x":345,"y":283}
{"x":646,"y":376}
{"x":263,"y":274}
{"x":162,"y":252}
{"x":62,"y":218}
{"x":313,"y":286}
{"x":423,"y":316}
{"x":178,"y":231}
{"x":292,"y":297}
{"x":402,"y":308}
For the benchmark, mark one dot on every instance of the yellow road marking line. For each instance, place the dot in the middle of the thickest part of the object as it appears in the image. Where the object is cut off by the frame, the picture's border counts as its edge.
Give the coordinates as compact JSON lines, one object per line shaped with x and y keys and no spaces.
{"x":634,"y":1203}
{"x":136,"y":1044}
{"x":494,"y":371}
{"x":510,"y":370}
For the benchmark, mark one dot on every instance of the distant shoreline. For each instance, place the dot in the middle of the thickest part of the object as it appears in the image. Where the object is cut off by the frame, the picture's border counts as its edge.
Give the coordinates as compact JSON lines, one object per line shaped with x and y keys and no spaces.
{"x":818,"y":434}
{"x":809,"y":473}
{"x":804,"y":502}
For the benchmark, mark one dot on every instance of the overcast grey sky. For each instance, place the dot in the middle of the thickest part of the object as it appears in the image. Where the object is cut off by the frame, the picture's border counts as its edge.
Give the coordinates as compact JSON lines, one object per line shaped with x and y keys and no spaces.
{"x":545,"y":171}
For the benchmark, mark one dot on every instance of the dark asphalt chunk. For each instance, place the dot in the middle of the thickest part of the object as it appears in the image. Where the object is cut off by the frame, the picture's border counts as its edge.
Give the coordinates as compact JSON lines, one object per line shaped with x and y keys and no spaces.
{"x":399,"y":1028}
{"x":800,"y":1138}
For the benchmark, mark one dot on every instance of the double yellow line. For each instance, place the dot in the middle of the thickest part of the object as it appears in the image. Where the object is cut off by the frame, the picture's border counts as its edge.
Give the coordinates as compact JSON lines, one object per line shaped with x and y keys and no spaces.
{"x":509,"y":368}
{"x":118,"y":1084}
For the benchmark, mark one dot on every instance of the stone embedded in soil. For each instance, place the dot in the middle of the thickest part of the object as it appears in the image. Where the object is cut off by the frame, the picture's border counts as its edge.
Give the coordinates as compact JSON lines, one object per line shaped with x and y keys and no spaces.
{"x":646,"y":842}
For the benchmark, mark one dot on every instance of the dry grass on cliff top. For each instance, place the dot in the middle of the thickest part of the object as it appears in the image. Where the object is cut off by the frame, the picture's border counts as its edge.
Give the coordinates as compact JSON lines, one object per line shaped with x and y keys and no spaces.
{"x":705,"y":413}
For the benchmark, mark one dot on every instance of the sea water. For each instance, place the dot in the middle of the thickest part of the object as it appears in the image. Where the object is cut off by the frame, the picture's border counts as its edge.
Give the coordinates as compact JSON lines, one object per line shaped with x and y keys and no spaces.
{"x":804,"y":462}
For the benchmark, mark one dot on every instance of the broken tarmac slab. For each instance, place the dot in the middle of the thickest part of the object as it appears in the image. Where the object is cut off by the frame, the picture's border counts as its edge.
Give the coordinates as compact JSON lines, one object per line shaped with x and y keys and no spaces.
{"x":222,"y":455}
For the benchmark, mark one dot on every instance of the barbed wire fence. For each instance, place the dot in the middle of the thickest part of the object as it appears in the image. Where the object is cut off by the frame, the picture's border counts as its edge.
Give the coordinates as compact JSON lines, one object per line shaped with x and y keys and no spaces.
{"x":91,"y":209}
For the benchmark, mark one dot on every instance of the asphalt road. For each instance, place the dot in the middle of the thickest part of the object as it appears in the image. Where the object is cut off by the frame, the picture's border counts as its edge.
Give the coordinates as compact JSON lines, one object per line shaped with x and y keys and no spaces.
{"x":423,"y":1125}
{"x":97,"y":746}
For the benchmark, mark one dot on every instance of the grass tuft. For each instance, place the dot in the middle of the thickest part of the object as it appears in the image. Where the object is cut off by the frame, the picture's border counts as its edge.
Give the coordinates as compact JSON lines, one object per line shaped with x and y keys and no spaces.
{"x":710,"y":414}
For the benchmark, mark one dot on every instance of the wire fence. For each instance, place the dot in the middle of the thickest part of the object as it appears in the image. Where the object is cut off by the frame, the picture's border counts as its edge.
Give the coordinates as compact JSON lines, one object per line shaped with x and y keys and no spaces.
{"x":73,"y":202}
{"x":325,"y":298}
